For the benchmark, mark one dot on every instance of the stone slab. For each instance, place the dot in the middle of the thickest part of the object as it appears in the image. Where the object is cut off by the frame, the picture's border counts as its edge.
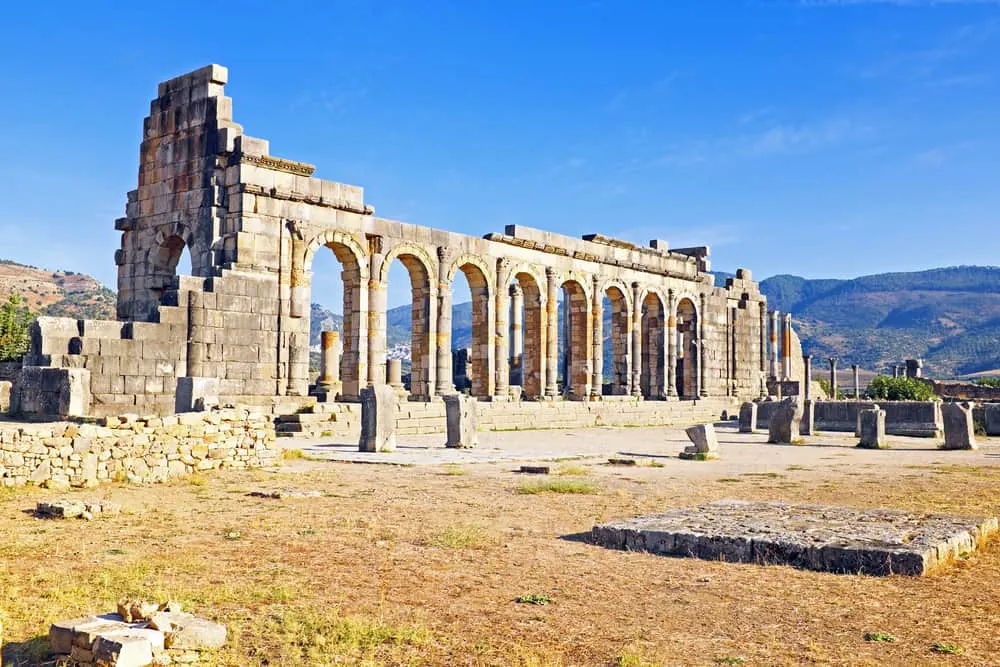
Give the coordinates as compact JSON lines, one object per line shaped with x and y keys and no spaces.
{"x":828,"y":539}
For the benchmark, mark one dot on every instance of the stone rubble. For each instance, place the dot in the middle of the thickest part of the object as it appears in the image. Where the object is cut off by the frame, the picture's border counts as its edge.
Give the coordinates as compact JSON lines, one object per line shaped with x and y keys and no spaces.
{"x":706,"y":445}
{"x":141,"y":633}
{"x":65,"y":508}
{"x":279,"y":494}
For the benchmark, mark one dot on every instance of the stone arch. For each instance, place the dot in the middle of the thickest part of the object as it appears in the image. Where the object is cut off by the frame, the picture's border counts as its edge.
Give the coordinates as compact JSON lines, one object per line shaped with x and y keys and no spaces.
{"x":169,"y":244}
{"x":421,"y":269}
{"x":353,"y":369}
{"x":653,"y":357}
{"x":576,"y":337}
{"x":478,"y":275}
{"x":620,"y":336}
{"x":687,"y":373}
{"x":528,"y":362}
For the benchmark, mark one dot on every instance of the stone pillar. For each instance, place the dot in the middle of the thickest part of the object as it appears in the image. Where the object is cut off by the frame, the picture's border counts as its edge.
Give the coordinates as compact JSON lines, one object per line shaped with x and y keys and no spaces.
{"x":914,"y":368}
{"x":748,"y":417}
{"x":394,"y":374}
{"x":702,"y":347}
{"x":773,"y":352}
{"x":857,"y":382}
{"x":501,"y":355}
{"x":895,"y":372}
{"x":833,"y":378}
{"x":636,"y":341}
{"x":958,"y":426}
{"x":376,"y":315}
{"x":807,"y":362}
{"x":551,"y":334}
{"x":597,"y":381}
{"x":872,"y":428}
{"x":444,"y":382}
{"x":517,"y":334}
{"x":763,"y":337}
{"x":329,"y":359}
{"x":786,"y":348}
{"x":462,"y":421}
{"x":671,"y":334}
{"x":378,"y":419}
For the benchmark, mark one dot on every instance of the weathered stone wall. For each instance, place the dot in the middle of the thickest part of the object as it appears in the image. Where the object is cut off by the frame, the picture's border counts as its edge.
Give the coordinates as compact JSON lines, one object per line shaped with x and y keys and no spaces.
{"x":128,"y":448}
{"x":913,"y":418}
{"x":965,"y":391}
{"x":253,"y":223}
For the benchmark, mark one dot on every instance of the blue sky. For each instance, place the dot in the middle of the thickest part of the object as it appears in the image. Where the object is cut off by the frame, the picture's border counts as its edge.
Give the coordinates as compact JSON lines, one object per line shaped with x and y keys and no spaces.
{"x":819,"y":138}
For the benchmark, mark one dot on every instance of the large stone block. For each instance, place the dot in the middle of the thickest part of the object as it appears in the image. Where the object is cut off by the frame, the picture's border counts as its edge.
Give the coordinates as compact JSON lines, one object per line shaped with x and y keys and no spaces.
{"x":51,"y":392}
{"x":958,"y":426}
{"x":748,"y":417}
{"x":992,"y":415}
{"x":379,"y":405}
{"x":872,"y":429}
{"x":462,"y":419}
{"x":705,"y":445}
{"x":196,"y":394}
{"x":784,"y":425}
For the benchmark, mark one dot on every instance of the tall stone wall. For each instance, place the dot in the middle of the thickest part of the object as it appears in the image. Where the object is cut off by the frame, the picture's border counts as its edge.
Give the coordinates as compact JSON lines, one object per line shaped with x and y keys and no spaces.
{"x":253,"y":224}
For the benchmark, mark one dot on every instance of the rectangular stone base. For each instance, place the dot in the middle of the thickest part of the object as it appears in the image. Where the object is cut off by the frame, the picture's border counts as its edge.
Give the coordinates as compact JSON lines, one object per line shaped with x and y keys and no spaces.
{"x":815,"y":537}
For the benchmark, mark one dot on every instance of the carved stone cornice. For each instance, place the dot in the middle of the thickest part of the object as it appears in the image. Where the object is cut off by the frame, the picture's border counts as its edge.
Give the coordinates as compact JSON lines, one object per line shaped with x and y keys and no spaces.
{"x":279,"y":164}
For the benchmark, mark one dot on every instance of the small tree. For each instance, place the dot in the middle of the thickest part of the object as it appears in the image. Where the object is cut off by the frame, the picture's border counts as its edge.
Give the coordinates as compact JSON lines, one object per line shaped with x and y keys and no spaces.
{"x":886,"y":388}
{"x":15,"y":319}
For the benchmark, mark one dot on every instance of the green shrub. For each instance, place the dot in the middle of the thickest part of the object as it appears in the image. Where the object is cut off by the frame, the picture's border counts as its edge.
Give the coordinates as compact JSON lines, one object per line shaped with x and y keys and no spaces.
{"x":988,"y":382}
{"x":885,"y":388}
{"x":14,"y":322}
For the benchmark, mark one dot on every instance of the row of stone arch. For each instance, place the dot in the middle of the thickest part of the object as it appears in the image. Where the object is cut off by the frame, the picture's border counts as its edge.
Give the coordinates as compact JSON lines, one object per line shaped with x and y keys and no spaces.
{"x":663,"y":329}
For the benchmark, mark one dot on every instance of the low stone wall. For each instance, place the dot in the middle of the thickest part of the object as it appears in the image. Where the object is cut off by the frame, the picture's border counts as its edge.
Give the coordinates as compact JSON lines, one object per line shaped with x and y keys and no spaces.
{"x":921,"y":419}
{"x":129,"y":448}
{"x":344,"y":419}
{"x":965,"y":391}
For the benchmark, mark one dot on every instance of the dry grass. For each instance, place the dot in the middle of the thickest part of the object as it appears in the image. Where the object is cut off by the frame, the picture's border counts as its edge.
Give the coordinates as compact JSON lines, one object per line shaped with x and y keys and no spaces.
{"x":577,"y":485}
{"x":404,"y":566}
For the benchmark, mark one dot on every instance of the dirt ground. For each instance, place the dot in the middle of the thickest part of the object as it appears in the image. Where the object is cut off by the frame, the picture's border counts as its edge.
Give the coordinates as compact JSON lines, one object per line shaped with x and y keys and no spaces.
{"x":423,"y":564}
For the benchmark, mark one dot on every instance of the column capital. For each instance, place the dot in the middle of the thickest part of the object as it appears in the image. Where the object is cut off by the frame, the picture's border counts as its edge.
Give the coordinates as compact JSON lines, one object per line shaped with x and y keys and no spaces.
{"x":516,"y":290}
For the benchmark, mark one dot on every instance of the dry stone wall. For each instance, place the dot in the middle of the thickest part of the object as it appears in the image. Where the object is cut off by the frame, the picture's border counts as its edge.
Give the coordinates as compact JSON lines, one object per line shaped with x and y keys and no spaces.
{"x":139,"y":450}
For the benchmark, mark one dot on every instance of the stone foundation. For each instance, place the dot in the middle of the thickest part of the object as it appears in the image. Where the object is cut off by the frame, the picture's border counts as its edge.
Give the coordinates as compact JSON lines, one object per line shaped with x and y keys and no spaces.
{"x":830,"y":539}
{"x":920,"y":419}
{"x":61,"y":455}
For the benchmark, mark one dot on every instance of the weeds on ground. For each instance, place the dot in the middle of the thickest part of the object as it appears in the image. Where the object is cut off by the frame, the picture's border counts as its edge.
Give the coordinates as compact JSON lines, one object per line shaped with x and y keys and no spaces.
{"x":570,"y":469}
{"x":879,"y":637}
{"x":582,"y":486}
{"x":533,"y":598}
{"x":947,"y":648}
{"x":461,"y":536}
{"x":454,"y":470}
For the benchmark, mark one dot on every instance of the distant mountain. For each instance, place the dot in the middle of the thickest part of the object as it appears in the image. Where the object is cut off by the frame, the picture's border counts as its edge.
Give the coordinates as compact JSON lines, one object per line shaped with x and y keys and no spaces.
{"x":950,"y":317}
{"x":57,"y":293}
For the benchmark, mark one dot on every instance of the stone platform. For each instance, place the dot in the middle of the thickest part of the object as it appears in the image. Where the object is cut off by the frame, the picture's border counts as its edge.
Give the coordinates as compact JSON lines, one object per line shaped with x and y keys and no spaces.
{"x":815,"y":537}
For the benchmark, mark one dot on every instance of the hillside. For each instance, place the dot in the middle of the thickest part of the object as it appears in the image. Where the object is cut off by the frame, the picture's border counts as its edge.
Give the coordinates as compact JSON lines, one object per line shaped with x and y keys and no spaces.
{"x":58,"y":293}
{"x":948,"y":316}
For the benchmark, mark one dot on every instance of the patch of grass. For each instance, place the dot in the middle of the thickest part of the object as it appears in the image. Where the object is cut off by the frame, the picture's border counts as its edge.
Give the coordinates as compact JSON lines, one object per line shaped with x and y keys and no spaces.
{"x":326,"y":434}
{"x":796,"y":467}
{"x":297,"y":455}
{"x":540,"y":599}
{"x":656,"y":464}
{"x":763,"y":475}
{"x":582,"y":486}
{"x":628,"y":660}
{"x":197,"y":480}
{"x":232,"y":535}
{"x":728,"y":480}
{"x":461,"y":536}
{"x":879,"y":637}
{"x":731,"y":660}
{"x":454,"y":470}
{"x":570,"y":469}
{"x":947,"y":648}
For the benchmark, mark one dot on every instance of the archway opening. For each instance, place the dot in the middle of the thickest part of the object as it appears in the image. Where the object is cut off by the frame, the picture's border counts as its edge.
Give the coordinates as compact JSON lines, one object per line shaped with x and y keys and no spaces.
{"x":408,"y":326}
{"x":526,"y":336}
{"x":617,"y":335}
{"x":574,"y":342}
{"x":687,"y":349}
{"x":470,"y":328}
{"x":335,"y":307}
{"x":168,"y":260}
{"x":653,"y":360}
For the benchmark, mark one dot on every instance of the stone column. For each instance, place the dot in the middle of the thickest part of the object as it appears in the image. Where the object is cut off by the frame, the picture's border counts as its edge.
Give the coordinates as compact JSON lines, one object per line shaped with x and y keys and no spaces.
{"x":501,"y":390}
{"x":597,"y":381}
{"x":376,"y":315}
{"x":786,"y":349}
{"x":445,"y":385}
{"x":857,"y":382}
{"x":895,"y":371}
{"x":773,"y":339}
{"x":833,"y":378}
{"x":807,"y":361}
{"x":914,"y":368}
{"x":551,"y":334}
{"x":517,"y":323}
{"x":329,"y":359}
{"x":763,"y":337}
{"x":636,"y":341}
{"x":671,"y":334}
{"x":702,"y":367}
{"x":394,"y":374}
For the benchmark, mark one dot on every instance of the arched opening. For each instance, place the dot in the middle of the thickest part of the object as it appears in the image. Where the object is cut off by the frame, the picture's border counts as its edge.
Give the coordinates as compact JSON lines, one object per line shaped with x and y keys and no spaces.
{"x":574,"y":342}
{"x":335,"y":307}
{"x":687,"y":349}
{"x":653,"y":360}
{"x":470,"y":327}
{"x":527,"y":321}
{"x":617,"y":335}
{"x":168,"y":260}
{"x":415,"y":351}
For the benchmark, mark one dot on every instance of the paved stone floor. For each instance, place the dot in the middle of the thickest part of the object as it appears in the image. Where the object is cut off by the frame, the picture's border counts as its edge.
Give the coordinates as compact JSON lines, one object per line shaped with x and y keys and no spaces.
{"x":739,"y":452}
{"x":816,"y":537}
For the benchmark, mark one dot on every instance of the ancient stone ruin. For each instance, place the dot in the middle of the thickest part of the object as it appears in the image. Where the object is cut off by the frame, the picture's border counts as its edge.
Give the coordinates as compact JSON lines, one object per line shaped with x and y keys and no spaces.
{"x":237,"y":330}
